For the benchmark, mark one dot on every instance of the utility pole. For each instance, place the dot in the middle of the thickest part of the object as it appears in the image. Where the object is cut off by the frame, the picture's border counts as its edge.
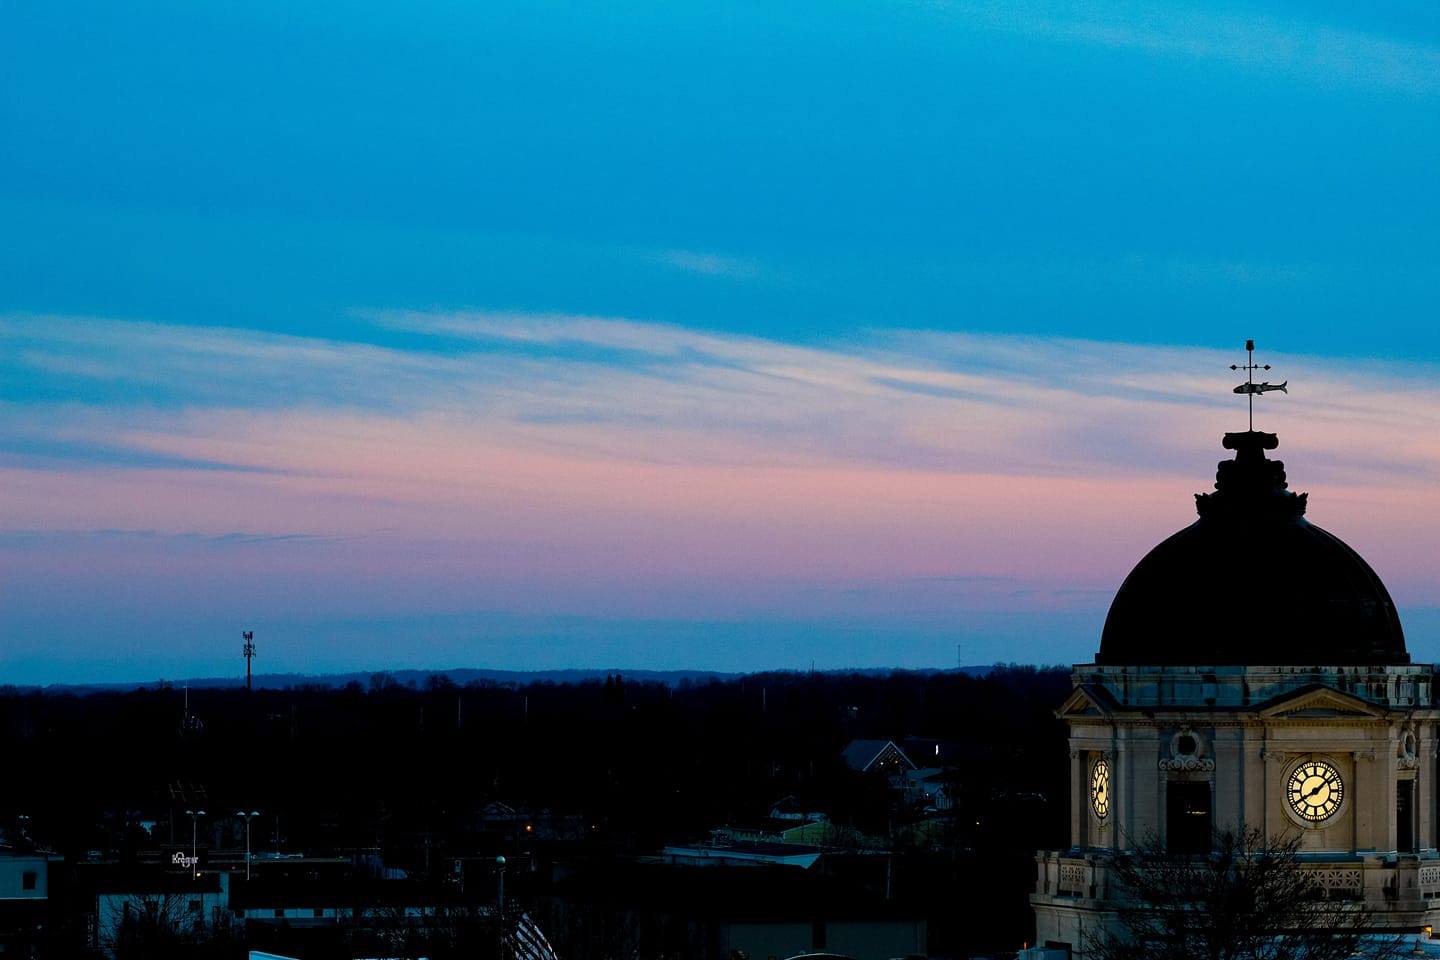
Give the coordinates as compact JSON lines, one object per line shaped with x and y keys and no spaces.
{"x":195,"y":816}
{"x":247,"y":815}
{"x":249,"y":653}
{"x":500,"y":866}
{"x":500,"y":869}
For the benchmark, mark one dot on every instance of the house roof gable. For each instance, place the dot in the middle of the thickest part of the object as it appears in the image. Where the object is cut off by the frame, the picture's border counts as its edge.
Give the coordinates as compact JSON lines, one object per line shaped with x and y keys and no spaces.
{"x":863,"y":754}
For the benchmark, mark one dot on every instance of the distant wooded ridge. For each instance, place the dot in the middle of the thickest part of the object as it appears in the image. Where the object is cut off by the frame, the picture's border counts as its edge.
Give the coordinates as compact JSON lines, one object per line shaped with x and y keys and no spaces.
{"x":468,"y":675}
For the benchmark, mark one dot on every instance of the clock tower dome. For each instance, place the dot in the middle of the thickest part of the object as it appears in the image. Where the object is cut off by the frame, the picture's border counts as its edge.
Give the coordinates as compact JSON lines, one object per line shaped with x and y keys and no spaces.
{"x":1252,"y":674}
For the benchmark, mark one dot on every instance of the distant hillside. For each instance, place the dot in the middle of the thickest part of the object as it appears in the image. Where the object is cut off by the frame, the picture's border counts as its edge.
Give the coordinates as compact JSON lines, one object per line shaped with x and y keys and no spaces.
{"x":461,"y":677}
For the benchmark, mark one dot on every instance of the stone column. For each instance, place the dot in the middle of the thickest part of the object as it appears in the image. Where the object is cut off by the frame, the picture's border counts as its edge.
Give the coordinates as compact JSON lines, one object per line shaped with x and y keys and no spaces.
{"x":1123,"y":777}
{"x":1272,"y":791}
{"x":1252,"y":794}
{"x":1077,"y":798}
{"x":1355,"y":802}
{"x":1360,"y":795}
{"x":1122,"y":772}
{"x":1424,"y":788}
{"x":1228,"y":761}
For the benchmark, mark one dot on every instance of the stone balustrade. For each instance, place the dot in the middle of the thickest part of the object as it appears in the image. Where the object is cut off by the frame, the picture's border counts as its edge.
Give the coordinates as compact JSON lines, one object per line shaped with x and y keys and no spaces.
{"x":1402,"y":884}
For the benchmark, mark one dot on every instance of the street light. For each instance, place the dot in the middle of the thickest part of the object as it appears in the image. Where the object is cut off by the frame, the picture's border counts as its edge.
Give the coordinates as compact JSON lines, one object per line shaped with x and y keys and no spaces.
{"x":195,"y":816}
{"x":500,"y":869}
{"x":247,"y":816}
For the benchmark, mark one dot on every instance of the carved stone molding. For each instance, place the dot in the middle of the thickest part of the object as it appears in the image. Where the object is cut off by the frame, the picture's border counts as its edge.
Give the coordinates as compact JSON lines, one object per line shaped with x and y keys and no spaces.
{"x":1073,"y":878}
{"x":1187,"y":763}
{"x":1341,"y":879}
{"x":1408,"y":751}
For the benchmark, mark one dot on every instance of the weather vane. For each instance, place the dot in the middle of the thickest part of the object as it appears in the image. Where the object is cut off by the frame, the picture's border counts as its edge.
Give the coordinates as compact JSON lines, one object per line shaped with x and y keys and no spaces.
{"x":1250,"y":387}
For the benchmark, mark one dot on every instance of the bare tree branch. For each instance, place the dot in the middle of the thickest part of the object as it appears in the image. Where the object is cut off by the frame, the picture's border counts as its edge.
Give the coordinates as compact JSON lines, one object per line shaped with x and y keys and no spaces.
{"x":1250,"y":898}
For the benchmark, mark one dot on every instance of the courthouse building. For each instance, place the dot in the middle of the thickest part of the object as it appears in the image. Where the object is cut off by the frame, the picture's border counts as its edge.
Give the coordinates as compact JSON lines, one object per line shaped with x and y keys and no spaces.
{"x":1252,"y":673}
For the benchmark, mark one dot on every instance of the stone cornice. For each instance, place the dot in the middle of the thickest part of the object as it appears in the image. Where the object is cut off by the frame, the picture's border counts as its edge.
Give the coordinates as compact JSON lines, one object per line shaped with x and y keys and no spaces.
{"x":1248,"y":714}
{"x":1237,"y":718}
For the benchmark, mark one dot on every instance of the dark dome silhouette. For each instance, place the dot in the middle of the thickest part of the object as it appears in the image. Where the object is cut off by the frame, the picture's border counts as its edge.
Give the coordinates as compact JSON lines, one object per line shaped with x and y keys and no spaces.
{"x":1252,"y":582}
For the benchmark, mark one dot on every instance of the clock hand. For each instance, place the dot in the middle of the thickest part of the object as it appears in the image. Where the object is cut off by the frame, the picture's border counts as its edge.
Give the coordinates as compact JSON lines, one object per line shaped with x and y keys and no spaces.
{"x":1317,"y":789}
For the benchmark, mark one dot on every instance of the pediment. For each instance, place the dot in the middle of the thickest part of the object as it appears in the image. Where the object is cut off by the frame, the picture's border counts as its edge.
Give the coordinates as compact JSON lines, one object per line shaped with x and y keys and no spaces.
{"x":1319,"y":702}
{"x":1087,"y":700}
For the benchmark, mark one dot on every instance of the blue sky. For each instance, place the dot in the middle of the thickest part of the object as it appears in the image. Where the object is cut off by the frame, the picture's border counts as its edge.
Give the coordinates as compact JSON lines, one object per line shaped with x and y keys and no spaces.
{"x":839,"y":178}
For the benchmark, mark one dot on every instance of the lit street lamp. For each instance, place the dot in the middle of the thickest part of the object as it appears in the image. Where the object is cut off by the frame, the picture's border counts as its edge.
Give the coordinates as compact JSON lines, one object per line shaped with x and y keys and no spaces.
{"x":195,"y":816}
{"x":247,"y":816}
{"x":500,"y":869}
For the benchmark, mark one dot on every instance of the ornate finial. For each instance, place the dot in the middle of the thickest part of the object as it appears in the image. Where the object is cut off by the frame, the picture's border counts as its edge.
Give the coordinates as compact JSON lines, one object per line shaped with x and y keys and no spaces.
{"x":1250,"y":387}
{"x":1250,"y":484}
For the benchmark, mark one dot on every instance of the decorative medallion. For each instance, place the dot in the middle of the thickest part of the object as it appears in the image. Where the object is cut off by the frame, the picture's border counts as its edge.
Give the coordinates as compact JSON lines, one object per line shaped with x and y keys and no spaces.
{"x":1187,"y":752}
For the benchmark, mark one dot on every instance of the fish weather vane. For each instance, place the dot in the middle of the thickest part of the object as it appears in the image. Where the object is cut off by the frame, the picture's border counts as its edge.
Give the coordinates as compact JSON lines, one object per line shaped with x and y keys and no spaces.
{"x":1250,"y":387}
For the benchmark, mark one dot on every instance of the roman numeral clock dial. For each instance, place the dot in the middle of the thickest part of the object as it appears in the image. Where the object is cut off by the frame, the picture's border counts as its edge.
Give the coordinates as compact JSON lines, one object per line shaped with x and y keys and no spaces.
{"x":1315,"y":790}
{"x":1100,"y":789}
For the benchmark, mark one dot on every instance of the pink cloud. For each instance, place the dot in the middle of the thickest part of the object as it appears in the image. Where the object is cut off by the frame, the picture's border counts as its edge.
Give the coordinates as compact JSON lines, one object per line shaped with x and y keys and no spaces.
{"x":920,"y":476}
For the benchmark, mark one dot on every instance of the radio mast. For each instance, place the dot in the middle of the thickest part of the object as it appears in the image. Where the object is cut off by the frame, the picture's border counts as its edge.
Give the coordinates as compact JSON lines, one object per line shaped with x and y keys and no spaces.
{"x":249,"y":652}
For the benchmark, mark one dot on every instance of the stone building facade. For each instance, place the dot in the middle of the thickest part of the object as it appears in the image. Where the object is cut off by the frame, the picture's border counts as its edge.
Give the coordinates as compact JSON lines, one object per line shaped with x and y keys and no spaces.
{"x":1252,"y":674}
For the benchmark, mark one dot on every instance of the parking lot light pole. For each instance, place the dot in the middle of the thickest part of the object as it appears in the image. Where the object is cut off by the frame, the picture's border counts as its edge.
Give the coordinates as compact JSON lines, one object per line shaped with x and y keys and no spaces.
{"x":247,"y":815}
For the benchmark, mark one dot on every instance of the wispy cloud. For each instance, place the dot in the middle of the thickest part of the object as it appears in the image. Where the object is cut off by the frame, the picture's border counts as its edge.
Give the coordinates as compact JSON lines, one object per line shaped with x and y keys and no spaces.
{"x":1310,"y":50}
{"x":110,"y":535}
{"x":613,"y":467}
{"x":658,"y":393}
{"x":22,"y":448}
{"x":710,"y":264}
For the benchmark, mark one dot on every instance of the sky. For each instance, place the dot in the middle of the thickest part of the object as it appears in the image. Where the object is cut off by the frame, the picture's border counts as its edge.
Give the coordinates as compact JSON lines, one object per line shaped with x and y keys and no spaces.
{"x":689,"y":335}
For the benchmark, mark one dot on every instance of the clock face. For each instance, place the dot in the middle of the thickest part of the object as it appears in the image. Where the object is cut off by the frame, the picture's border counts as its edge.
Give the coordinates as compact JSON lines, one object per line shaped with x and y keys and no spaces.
{"x":1100,"y":788}
{"x":1315,"y":790}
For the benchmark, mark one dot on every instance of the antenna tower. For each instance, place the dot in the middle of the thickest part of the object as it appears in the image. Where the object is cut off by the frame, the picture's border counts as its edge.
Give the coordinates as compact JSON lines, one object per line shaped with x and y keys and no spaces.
{"x":249,"y":652}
